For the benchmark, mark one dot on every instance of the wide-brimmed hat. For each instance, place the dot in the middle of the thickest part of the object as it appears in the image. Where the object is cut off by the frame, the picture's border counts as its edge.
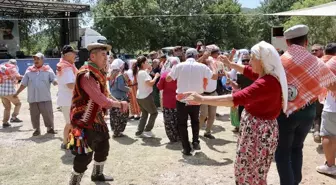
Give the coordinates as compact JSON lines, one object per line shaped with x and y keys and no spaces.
{"x":97,"y":45}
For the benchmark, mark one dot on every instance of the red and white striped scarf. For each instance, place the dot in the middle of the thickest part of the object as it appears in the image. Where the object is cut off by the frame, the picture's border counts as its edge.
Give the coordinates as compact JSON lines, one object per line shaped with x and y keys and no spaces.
{"x":62,"y":64}
{"x":7,"y":72}
{"x":306,"y":77}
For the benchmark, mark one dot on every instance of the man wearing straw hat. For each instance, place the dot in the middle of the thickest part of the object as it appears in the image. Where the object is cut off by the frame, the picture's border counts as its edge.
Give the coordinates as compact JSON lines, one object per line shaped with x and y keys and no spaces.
{"x":90,"y":102}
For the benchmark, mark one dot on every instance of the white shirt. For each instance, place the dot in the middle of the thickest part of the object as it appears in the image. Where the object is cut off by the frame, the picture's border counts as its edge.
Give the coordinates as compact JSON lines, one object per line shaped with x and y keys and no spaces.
{"x":190,"y":75}
{"x":144,"y":90}
{"x":64,"y":95}
{"x":330,"y":103}
{"x":212,"y":84}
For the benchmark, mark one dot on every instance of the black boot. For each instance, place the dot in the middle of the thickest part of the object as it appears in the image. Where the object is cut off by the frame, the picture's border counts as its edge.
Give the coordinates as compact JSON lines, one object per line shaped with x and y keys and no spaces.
{"x":97,"y":173}
{"x":75,"y":178}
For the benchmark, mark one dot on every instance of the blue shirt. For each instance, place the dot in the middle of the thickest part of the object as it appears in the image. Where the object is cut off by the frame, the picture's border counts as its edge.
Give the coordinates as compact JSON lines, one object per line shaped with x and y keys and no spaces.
{"x":119,"y":89}
{"x":38,"y":84}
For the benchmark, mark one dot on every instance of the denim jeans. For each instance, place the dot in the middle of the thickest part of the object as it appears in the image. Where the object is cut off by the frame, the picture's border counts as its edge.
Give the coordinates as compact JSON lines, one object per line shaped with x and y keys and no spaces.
{"x":292,"y":134}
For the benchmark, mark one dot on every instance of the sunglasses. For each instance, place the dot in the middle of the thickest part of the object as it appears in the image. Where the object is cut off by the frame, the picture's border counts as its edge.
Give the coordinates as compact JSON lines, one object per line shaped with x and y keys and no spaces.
{"x":245,"y":60}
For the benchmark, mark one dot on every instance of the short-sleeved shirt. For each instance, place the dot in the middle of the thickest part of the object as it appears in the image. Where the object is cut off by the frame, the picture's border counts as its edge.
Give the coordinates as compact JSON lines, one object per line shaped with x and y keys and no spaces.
{"x":144,"y":90}
{"x":38,"y":84}
{"x":64,"y":95}
{"x":190,"y":75}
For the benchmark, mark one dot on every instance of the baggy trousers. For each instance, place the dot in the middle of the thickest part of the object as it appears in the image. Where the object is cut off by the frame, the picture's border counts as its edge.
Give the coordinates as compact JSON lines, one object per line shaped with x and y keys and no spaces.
{"x":99,"y":143}
{"x":44,"y":108}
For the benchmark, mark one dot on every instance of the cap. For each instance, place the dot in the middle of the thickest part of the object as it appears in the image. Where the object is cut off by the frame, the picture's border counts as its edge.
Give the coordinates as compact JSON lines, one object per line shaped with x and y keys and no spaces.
{"x":12,"y":61}
{"x":39,"y":55}
{"x":67,"y":49}
{"x":97,"y":45}
{"x":191,"y":52}
{"x":296,"y":31}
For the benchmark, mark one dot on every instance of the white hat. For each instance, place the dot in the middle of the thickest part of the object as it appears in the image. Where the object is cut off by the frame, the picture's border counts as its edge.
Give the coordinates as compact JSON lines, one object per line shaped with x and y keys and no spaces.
{"x":98,"y":45}
{"x":39,"y":55}
{"x":12,"y":61}
{"x":296,"y":31}
{"x":191,"y":52}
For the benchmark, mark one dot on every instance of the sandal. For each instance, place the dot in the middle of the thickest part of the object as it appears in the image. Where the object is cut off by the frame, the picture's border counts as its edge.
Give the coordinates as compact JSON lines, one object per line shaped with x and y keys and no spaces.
{"x":317,"y":137}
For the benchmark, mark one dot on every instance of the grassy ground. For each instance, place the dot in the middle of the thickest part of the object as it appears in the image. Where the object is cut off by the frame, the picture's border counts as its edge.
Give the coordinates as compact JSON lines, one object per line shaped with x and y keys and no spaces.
{"x":27,"y":160}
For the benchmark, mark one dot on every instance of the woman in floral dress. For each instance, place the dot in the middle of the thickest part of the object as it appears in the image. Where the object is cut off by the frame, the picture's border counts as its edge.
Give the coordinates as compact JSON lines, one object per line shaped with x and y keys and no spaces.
{"x":263,"y":101}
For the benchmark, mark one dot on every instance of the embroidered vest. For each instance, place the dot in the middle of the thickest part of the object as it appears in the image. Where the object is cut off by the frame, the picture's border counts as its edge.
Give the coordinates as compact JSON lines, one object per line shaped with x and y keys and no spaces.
{"x":84,"y":112}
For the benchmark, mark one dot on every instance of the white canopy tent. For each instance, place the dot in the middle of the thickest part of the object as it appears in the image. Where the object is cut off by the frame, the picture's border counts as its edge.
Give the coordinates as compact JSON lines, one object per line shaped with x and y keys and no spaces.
{"x":328,"y":9}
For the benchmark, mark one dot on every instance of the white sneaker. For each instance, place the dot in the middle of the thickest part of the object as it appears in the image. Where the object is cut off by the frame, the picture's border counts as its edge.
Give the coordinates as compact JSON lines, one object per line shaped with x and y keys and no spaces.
{"x":148,"y":134}
{"x":325,"y":169}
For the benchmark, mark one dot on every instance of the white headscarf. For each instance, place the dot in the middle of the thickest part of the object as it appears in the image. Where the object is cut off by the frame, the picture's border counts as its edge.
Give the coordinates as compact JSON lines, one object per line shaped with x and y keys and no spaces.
{"x":117,"y":64}
{"x":130,"y":71}
{"x":169,"y":64}
{"x":116,"y":67}
{"x":272,"y":65}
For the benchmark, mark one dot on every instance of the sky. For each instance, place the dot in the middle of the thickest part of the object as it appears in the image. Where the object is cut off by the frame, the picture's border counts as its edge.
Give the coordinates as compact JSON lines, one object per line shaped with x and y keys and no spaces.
{"x":250,"y":3}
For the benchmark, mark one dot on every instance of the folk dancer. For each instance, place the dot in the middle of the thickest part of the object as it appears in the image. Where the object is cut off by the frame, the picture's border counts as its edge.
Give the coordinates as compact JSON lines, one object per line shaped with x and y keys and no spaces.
{"x":119,"y":90}
{"x":66,"y":76}
{"x":38,"y":79}
{"x":328,"y":125}
{"x":259,"y":128}
{"x":8,"y":78}
{"x":190,"y":76}
{"x":89,"y":105}
{"x":306,"y":77}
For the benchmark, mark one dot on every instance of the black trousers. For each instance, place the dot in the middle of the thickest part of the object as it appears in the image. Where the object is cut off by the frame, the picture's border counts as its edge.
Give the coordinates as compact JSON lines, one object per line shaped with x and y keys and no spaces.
{"x":182,"y":118}
{"x":240,"y":111}
{"x":99,"y":143}
{"x":318,"y":117}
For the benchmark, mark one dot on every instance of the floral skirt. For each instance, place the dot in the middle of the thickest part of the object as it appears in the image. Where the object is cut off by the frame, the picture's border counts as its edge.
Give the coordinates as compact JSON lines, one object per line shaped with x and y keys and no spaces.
{"x":255,"y":151}
{"x":118,"y":121}
{"x":170,"y":122}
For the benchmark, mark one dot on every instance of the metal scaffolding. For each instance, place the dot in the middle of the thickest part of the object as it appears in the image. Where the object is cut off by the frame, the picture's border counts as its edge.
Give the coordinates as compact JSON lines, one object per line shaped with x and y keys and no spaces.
{"x":40,"y":9}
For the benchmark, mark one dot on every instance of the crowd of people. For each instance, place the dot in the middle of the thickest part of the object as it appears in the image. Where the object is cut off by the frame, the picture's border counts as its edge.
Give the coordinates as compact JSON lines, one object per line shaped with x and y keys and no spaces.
{"x":188,"y":84}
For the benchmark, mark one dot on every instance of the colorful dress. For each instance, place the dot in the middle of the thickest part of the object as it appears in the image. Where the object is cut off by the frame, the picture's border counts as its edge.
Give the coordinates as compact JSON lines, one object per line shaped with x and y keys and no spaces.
{"x":134,"y":106}
{"x":258,"y":128}
{"x":169,"y":107}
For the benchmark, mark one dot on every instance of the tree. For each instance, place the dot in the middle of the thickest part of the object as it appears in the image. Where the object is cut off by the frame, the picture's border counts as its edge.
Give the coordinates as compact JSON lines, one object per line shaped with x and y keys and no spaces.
{"x":261,"y":25}
{"x":321,"y":29}
{"x":169,"y":29}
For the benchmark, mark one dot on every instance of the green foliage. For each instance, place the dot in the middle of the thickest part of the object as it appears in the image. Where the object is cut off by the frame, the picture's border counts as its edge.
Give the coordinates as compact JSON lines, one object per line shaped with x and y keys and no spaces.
{"x":261,"y":25}
{"x":321,"y":29}
{"x":132,"y":34}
